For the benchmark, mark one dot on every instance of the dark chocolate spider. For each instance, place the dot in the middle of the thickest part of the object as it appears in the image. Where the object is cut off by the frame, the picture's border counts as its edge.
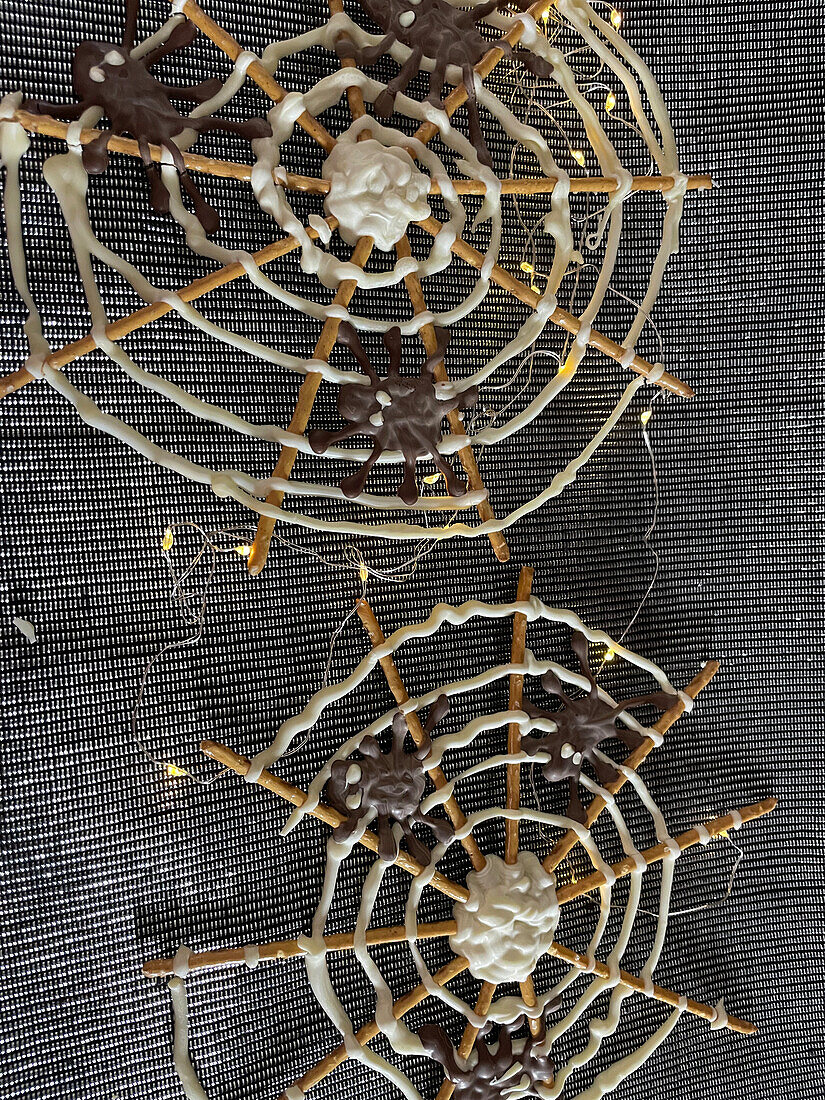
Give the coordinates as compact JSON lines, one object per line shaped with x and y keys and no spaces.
{"x":496,"y":1071}
{"x":449,"y":36}
{"x":392,"y":784}
{"x":400,"y":413}
{"x":583,"y":724}
{"x":105,"y":75}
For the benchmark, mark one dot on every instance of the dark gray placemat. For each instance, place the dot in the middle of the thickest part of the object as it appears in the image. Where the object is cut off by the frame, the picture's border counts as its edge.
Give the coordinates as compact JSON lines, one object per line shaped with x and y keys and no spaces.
{"x":106,"y":864}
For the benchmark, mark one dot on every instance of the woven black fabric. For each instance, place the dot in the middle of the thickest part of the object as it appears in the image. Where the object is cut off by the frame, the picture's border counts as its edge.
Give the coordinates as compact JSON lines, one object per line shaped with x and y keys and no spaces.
{"x":106,"y":863}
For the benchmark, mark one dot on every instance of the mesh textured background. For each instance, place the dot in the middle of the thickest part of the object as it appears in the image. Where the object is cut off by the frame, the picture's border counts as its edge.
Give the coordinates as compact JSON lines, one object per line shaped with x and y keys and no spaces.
{"x":106,"y":863}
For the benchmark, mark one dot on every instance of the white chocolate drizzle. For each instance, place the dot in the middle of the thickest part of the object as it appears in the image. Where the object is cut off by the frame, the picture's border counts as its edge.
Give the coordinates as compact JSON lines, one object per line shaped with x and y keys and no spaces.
{"x":192,"y":1087}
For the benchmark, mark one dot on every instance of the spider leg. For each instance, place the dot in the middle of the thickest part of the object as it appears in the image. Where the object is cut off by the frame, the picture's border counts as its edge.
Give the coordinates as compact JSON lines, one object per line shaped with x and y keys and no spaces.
{"x":436,"y":90}
{"x":409,"y":487}
{"x":416,"y":847}
{"x":392,"y":342}
{"x":321,"y":441}
{"x":193,"y":93}
{"x":442,"y":337}
{"x":663,"y":700}
{"x":181,"y":37}
{"x":206,"y":214}
{"x":130,"y":29}
{"x":349,"y":338}
{"x":250,"y":129}
{"x":467,"y":398}
{"x":476,"y":136}
{"x":535,"y":65}
{"x":483,"y":10}
{"x":385,"y":103}
{"x":442,"y":830}
{"x":96,"y":154}
{"x":455,"y":487}
{"x":387,"y":844}
{"x":353,"y":485}
{"x":346,"y":48}
{"x":160,"y":195}
{"x":439,"y":709}
{"x":68,"y":111}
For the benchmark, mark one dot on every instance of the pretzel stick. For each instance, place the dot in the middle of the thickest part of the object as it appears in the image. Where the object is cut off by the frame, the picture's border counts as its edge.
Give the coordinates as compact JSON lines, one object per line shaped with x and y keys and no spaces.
{"x":240,"y":764}
{"x":559,"y":316}
{"x":267,"y":83}
{"x":300,"y":417}
{"x":654,"y":992}
{"x":369,"y":1031}
{"x":309,"y":389}
{"x":468,"y":458}
{"x":116,"y":330}
{"x":289,"y":949}
{"x":230,"y":169}
{"x":633,"y":761}
{"x":513,"y":771}
{"x":396,"y":685}
{"x":525,"y":584}
{"x":658,"y":852}
{"x":468,"y":1039}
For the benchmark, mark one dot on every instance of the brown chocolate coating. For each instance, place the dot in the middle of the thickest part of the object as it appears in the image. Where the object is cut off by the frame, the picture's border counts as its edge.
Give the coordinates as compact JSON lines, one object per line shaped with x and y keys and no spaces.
{"x":449,"y":36}
{"x":393,"y":785}
{"x":138,"y":104}
{"x":490,"y":1077}
{"x":583,"y":724}
{"x":406,"y":419}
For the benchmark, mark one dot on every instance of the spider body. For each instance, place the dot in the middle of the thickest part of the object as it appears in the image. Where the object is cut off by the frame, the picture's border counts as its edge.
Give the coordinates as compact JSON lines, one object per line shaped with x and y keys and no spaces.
{"x":401,"y":413}
{"x":497,"y":1070}
{"x":583,"y":724}
{"x":390,"y":784}
{"x":106,"y":75}
{"x":447,"y":35}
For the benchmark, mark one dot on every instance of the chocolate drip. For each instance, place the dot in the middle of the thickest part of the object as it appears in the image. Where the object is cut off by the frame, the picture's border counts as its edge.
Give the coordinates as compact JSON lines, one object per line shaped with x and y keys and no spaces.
{"x":105,"y":75}
{"x":400,"y":413}
{"x":449,"y":36}
{"x":393,"y":785}
{"x":490,"y":1077}
{"x":583,"y":724}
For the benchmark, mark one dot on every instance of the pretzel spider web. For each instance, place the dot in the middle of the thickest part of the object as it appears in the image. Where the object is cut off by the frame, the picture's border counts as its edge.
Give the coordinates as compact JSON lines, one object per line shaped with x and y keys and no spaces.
{"x":272,"y":185}
{"x":508,"y":910}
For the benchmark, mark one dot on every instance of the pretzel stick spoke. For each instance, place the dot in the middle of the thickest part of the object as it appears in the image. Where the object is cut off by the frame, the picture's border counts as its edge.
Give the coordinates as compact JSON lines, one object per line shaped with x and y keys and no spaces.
{"x":468,"y":1039}
{"x":649,"y":989}
{"x":468,"y":458}
{"x":525,"y":585}
{"x":267,"y":83}
{"x":122,"y":327}
{"x":559,"y":316}
{"x":330,"y":816}
{"x":290,"y":949}
{"x":657,"y":853}
{"x":570,"y":839}
{"x":399,"y":691}
{"x":306,"y":400}
{"x":369,"y":1031}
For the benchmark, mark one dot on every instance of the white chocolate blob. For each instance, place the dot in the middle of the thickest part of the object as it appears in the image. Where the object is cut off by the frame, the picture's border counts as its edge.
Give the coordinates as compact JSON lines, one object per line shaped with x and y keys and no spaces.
{"x":375,"y":191}
{"x":509,"y":921}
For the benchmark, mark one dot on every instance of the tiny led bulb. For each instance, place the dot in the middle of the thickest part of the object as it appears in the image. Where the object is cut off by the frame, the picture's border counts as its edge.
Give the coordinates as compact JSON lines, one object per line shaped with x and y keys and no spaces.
{"x":174,"y":772}
{"x":610,"y":655}
{"x":431,"y":479}
{"x":578,"y":156}
{"x":527,"y":267}
{"x":168,"y":540}
{"x":244,"y":549}
{"x":645,"y":418}
{"x":610,"y":102}
{"x":363,"y":573}
{"x":616,"y":18}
